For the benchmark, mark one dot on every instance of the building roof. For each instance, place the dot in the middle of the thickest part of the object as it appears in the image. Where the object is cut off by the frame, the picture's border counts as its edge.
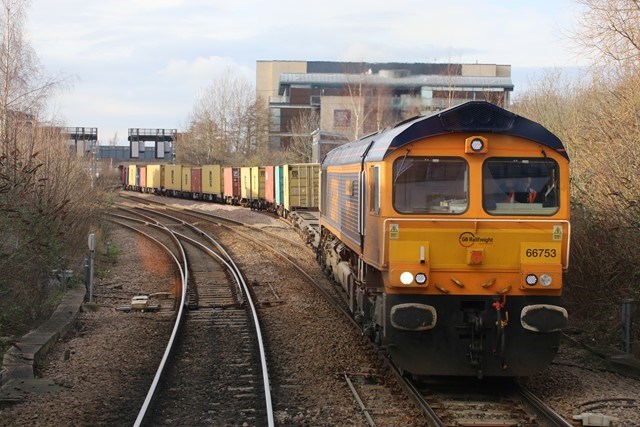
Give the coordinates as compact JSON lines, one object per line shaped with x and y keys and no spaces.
{"x":473,"y":116}
{"x":436,"y":81}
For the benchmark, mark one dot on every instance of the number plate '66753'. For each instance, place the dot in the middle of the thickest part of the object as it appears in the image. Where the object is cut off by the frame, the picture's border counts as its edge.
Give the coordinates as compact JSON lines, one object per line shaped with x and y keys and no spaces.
{"x":540,"y":253}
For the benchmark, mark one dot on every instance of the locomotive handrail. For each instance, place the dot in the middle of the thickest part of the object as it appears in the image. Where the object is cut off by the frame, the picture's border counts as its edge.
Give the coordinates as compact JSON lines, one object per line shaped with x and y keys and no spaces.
{"x":546,"y":221}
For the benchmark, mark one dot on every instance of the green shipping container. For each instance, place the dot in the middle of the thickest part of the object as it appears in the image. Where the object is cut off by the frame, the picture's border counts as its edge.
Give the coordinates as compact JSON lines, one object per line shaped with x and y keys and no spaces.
{"x":301,"y":186}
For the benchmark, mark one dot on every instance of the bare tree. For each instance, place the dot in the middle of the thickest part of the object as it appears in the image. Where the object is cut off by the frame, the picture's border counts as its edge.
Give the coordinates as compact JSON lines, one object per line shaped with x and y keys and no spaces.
{"x":598,"y":118}
{"x":370,"y":103}
{"x":226,"y":123}
{"x":610,"y":30}
{"x":47,"y":201}
{"x":113,"y":141}
{"x":302,"y":128}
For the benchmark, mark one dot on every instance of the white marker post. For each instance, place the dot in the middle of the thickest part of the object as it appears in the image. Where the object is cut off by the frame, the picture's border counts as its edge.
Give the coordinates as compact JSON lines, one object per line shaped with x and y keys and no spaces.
{"x":92,"y":257}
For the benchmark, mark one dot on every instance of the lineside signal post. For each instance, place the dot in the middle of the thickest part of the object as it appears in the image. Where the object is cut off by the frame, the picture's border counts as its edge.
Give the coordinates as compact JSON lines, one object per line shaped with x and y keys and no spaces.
{"x":92,"y":256}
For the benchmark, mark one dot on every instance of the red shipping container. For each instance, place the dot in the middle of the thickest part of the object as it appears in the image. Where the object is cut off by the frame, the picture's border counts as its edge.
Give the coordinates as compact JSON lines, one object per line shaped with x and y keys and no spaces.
{"x":232,"y":182}
{"x":142,"y":177}
{"x":269,"y":184}
{"x":196,"y":180}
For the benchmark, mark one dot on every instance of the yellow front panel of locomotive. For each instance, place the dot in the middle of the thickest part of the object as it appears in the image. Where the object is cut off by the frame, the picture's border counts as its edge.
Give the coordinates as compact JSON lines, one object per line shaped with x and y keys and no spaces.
{"x":466,"y":260}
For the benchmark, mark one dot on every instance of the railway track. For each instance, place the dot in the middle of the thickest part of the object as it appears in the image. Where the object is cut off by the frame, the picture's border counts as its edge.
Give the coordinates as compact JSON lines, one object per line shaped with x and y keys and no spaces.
{"x":214,"y":370}
{"x":452,"y":403}
{"x":469,"y":402}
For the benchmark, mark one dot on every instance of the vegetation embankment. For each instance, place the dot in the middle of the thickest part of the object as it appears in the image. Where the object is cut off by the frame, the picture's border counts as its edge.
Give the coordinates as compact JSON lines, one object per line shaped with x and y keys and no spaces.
{"x":597,"y":116}
{"x":50,"y":198}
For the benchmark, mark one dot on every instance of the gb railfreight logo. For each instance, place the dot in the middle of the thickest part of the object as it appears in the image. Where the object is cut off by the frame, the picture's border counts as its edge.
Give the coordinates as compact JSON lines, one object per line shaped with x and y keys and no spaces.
{"x":468,"y":239}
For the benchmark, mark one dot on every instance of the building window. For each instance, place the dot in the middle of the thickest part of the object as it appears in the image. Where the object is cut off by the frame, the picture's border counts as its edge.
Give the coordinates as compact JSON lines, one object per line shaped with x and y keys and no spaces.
{"x":341,"y":118}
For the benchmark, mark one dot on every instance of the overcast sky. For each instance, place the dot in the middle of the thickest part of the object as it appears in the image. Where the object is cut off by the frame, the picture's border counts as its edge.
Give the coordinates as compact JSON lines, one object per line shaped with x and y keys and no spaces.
{"x":142,"y":63}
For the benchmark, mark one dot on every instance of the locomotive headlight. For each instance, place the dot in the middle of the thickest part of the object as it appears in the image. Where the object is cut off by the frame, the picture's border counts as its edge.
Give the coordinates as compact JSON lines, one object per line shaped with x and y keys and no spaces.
{"x":531,"y":279}
{"x":477,"y":145}
{"x":421,"y":278}
{"x":406,"y":278}
{"x":546,"y":280}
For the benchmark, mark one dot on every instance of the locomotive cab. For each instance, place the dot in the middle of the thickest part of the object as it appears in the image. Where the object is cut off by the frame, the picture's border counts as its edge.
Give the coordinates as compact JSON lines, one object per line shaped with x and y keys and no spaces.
{"x":454,"y":229}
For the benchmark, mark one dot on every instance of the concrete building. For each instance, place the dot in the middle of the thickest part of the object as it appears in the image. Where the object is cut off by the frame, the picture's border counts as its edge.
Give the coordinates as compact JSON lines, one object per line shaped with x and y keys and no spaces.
{"x":355,"y":99}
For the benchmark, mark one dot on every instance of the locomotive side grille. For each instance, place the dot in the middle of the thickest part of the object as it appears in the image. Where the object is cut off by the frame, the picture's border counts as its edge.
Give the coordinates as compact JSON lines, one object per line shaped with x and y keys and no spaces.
{"x":342,"y":201}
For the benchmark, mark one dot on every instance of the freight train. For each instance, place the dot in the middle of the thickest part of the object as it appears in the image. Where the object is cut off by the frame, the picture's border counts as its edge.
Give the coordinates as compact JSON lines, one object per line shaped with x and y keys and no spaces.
{"x":449,"y":235}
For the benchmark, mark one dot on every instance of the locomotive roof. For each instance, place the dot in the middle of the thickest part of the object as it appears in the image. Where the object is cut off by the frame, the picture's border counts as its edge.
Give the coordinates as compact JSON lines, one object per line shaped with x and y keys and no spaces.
{"x":473,"y":116}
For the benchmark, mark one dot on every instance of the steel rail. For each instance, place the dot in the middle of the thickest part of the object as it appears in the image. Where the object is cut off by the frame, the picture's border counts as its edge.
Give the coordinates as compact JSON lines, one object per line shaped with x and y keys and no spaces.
{"x":540,"y":407}
{"x":243,"y":289}
{"x":167,"y":352}
{"x":231,"y":265}
{"x":363,"y":408}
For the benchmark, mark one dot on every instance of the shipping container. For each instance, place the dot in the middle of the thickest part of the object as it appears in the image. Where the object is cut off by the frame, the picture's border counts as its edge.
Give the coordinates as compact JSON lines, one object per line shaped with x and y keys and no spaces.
{"x":213,"y":182}
{"x":269,"y":184}
{"x":172,"y":179}
{"x":232,"y":187}
{"x":196,"y":182}
{"x":124,"y":172}
{"x":245,"y":184}
{"x":301,"y":186}
{"x":257,"y":182}
{"x":154,"y":178}
{"x":186,"y":181}
{"x":279,"y":185}
{"x":142,"y":178}
{"x":131,"y":176}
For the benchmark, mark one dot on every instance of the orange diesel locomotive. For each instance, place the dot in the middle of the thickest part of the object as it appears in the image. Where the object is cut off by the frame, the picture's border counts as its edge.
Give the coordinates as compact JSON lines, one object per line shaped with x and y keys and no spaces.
{"x":450,"y":235}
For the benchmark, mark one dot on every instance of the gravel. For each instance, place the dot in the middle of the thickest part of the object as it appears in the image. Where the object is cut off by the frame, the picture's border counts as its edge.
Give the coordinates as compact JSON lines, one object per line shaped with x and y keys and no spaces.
{"x":105,"y":363}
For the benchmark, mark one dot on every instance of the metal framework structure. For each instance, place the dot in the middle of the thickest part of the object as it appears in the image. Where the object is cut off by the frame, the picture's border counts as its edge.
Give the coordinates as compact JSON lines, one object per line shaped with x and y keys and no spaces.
{"x":83,"y":139}
{"x":163,"y":139}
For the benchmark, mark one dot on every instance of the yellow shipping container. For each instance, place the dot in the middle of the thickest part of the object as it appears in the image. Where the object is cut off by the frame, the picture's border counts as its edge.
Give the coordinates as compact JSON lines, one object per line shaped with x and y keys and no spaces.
{"x":172,"y":178}
{"x":245,"y":183}
{"x":257,"y":182}
{"x":186,"y":178}
{"x":301,"y":186}
{"x":131,"y":176}
{"x":154,"y":176}
{"x":213,"y":179}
